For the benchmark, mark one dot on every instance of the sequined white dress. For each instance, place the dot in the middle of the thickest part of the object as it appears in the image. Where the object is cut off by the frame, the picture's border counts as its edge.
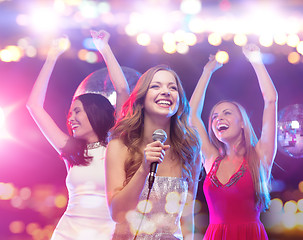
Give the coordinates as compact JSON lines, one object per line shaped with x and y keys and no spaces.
{"x":162,"y":218}
{"x":87,"y":216}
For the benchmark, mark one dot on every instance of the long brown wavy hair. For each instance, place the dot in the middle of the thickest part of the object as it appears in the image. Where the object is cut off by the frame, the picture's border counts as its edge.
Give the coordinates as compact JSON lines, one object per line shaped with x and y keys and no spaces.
{"x":129,"y":128}
{"x":260,"y":172}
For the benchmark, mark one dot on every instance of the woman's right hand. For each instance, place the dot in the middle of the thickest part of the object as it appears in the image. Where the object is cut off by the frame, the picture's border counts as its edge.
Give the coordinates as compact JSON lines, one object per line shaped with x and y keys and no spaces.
{"x":100,"y":39}
{"x":153,"y":152}
{"x":212,"y":65}
{"x":59,"y":46}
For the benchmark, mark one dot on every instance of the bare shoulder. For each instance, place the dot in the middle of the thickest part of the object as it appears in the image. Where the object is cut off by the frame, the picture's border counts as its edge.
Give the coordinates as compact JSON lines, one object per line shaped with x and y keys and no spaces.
{"x":116,"y":149}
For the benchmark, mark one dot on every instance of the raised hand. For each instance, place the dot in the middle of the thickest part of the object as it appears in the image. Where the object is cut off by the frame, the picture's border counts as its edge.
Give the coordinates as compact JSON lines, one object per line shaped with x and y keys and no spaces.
{"x":212,"y":65}
{"x":252,"y":53}
{"x":59,"y":46}
{"x":100,"y":38}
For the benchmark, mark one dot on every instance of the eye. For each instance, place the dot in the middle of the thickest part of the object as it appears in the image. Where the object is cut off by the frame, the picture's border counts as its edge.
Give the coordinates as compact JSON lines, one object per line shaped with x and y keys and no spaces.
{"x":214,"y":117}
{"x":154,"y":86}
{"x":174,"y":88}
{"x":227,"y":113}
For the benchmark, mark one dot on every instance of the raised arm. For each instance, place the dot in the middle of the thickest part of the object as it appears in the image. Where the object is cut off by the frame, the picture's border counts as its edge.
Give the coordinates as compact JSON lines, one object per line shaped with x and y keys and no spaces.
{"x":123,"y":198}
{"x":196,"y":105}
{"x":115,"y":72}
{"x":267,"y":146}
{"x":35,"y":102}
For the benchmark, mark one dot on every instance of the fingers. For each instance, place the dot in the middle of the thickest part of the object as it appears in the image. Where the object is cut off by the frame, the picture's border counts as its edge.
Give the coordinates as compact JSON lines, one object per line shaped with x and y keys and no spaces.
{"x":155,"y":152}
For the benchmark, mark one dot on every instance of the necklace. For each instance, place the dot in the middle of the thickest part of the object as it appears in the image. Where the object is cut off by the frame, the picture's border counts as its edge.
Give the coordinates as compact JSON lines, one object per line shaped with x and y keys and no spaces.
{"x":93,"y":145}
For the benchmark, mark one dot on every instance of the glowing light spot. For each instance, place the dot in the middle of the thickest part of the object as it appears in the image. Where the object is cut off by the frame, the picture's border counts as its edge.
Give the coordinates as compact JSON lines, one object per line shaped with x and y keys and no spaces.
{"x":31,"y":51}
{"x":293,"y":40}
{"x":143,"y":39}
{"x":300,"y":205}
{"x":131,"y":30}
{"x":182,"y":48}
{"x":64,"y":43}
{"x":289,"y":220}
{"x":60,"y":201}
{"x":293,"y":57}
{"x":299,"y":218}
{"x":300,"y":186}
{"x":190,"y":39}
{"x":300,"y":48}
{"x":197,"y":25}
{"x":168,"y":37}
{"x":25,"y":193}
{"x":144,"y":206}
{"x":214,"y":39}
{"x":149,"y":227}
{"x":190,"y":6}
{"x":16,"y":227}
{"x":17,"y":202}
{"x":276,"y":205}
{"x":170,"y":47}
{"x":290,"y":207}
{"x":82,"y":54}
{"x":22,"y":20}
{"x":295,"y":124}
{"x":198,"y":206}
{"x":280,"y":38}
{"x":89,"y":9}
{"x":7,"y":191}
{"x":266,"y":40}
{"x":91,"y":57}
{"x":222,"y":57}
{"x":2,"y":118}
{"x":44,"y":20}
{"x":240,"y":39}
{"x":31,"y":228}
{"x":104,"y":7}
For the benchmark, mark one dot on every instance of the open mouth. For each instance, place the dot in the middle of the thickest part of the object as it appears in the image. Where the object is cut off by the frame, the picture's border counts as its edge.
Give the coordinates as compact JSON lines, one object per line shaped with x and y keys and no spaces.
{"x":222,"y":127}
{"x":164,"y":102}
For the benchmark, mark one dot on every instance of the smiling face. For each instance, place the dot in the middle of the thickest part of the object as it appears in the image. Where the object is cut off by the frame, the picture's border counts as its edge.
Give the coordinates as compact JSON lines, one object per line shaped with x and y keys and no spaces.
{"x":162,"y":97}
{"x":79,"y":123}
{"x":226,"y":122}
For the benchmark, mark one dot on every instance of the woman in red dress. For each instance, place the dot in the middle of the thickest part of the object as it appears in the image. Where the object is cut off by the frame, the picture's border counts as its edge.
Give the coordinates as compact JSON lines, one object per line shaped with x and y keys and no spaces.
{"x":238,"y":165}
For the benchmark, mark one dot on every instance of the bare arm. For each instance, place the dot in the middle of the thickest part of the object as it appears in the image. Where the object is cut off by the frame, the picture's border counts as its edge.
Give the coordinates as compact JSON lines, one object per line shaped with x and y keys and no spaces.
{"x":267,"y":146}
{"x":118,"y":194}
{"x":35,"y":102}
{"x":115,"y":72}
{"x":209,"y":152}
{"x":187,"y":220}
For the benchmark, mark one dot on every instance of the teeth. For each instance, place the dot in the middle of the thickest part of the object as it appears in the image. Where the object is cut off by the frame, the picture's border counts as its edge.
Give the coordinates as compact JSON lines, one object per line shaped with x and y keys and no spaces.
{"x":164,"y":102}
{"x":222,"y":127}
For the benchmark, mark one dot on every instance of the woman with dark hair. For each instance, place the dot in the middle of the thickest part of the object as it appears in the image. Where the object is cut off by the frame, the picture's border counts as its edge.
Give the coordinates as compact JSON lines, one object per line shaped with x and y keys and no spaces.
{"x":90,"y":118}
{"x":238,"y":165}
{"x":158,"y":101}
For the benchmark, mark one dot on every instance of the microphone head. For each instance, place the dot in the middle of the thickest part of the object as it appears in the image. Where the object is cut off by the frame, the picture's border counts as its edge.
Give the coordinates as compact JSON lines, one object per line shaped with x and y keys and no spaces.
{"x":160,"y":135}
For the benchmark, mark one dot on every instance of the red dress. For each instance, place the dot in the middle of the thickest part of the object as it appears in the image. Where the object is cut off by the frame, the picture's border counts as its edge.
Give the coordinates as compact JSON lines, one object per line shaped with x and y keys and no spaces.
{"x":232,"y":211}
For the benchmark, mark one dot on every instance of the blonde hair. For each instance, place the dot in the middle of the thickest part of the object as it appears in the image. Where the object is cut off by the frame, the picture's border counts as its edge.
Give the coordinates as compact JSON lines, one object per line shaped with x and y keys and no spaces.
{"x":259,"y":171}
{"x":129,"y":128}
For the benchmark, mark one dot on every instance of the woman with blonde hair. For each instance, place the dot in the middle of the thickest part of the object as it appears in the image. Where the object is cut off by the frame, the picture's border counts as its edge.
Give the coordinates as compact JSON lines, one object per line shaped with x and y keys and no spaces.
{"x":238,"y":165}
{"x":158,"y":101}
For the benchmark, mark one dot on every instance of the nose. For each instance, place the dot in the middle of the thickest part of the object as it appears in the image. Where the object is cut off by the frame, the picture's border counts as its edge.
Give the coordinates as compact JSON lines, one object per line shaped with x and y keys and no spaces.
{"x":165,"y":92}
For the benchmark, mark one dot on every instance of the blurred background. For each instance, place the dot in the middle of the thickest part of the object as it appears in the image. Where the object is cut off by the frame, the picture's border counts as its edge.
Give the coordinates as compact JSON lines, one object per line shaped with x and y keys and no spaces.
{"x":179,"y":33}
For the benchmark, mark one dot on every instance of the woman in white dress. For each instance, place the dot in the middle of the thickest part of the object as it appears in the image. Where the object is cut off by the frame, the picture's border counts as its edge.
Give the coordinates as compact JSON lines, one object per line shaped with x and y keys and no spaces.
{"x":90,"y":118}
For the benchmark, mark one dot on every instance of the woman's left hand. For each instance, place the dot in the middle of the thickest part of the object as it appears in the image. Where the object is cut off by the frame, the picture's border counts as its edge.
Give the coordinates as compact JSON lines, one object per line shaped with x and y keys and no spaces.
{"x":100,"y":38}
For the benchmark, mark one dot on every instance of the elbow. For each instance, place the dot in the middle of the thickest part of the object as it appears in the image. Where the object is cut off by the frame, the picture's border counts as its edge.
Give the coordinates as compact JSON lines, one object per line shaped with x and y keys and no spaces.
{"x":117,"y":216}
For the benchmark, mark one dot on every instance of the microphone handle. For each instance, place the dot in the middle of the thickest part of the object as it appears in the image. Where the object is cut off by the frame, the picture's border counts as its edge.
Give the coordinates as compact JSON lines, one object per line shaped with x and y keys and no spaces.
{"x":152,"y":174}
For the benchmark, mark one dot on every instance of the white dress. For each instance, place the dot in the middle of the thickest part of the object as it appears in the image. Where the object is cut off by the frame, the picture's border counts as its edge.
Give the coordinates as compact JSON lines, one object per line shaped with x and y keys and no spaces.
{"x":87,"y":215}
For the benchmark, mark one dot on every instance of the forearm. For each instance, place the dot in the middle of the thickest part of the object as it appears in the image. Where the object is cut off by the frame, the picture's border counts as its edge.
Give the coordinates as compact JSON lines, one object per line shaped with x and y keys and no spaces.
{"x":266,"y":85}
{"x":116,"y":74}
{"x":198,"y":96}
{"x":128,"y":198}
{"x":37,"y":95}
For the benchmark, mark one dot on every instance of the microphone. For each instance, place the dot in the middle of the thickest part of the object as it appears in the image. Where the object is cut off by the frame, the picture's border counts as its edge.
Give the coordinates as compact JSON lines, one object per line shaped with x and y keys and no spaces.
{"x":158,"y":135}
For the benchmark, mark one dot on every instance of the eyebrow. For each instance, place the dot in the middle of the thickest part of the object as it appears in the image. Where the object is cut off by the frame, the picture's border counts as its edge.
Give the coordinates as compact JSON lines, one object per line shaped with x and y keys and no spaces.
{"x":226,"y":109}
